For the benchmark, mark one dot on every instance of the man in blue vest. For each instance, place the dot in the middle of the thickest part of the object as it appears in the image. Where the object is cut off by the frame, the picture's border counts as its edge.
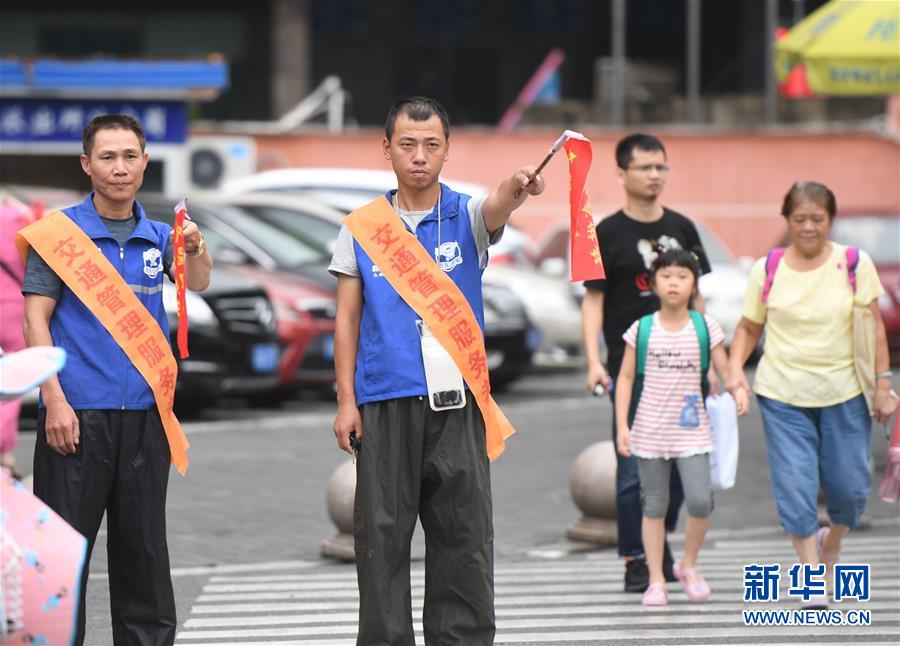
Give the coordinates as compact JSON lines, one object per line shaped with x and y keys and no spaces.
{"x":100,"y":443}
{"x":416,"y":462}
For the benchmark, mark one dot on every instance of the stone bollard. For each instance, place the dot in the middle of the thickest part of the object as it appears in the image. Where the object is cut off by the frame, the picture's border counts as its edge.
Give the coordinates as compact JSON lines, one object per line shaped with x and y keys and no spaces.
{"x":339,"y":499}
{"x":593,"y":483}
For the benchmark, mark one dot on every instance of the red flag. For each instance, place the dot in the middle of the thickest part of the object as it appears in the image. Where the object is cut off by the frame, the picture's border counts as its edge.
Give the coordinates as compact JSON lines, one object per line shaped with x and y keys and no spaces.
{"x":585,"y":253}
{"x":178,"y":265}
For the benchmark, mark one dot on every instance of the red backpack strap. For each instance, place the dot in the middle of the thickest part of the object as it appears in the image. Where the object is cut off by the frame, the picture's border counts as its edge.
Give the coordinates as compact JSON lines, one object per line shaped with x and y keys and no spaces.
{"x":852,"y":261}
{"x":772,"y":260}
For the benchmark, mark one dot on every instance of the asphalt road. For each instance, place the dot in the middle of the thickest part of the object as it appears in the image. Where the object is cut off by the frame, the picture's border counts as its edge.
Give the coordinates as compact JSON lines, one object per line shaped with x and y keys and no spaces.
{"x":254,"y":496}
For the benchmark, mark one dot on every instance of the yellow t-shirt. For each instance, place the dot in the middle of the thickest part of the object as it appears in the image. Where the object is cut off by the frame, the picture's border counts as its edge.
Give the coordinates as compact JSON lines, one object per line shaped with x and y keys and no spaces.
{"x":808,"y":359}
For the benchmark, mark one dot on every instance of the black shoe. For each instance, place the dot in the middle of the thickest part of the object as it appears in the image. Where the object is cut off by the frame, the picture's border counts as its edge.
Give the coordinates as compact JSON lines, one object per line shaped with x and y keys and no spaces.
{"x":637,"y":576}
{"x":668,"y":563}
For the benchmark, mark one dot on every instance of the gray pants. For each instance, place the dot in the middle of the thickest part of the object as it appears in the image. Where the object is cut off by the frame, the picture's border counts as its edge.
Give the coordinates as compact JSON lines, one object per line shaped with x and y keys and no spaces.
{"x":417,"y":463}
{"x":694,"y":472}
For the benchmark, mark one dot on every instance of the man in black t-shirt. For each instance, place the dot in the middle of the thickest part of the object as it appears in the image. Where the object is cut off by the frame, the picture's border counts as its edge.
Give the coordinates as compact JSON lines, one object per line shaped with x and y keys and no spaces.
{"x":630,"y":241}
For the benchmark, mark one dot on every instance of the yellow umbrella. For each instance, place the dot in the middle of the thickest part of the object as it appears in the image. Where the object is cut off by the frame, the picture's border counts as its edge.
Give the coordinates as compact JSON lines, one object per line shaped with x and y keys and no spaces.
{"x":849,"y":47}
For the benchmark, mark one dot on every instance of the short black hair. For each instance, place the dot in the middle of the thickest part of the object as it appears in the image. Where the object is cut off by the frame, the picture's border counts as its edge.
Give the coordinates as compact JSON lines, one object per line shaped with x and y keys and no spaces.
{"x":114,"y":122}
{"x":417,"y":108}
{"x":625,"y":148}
{"x":676,"y":258}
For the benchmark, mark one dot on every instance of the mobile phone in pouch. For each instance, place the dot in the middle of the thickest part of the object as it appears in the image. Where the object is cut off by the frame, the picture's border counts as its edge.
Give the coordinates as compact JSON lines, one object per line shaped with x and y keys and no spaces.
{"x":447,"y":399}
{"x":442,"y":378}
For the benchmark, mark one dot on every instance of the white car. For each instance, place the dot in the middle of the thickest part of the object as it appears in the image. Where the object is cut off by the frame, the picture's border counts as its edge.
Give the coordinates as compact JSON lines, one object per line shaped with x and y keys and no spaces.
{"x":723,"y":288}
{"x":345,"y":189}
{"x":548,"y":300}
{"x":334,"y":186}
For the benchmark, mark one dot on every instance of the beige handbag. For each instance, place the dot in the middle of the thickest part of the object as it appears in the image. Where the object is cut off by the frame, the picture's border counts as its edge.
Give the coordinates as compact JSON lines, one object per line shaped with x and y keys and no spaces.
{"x":864,"y":352}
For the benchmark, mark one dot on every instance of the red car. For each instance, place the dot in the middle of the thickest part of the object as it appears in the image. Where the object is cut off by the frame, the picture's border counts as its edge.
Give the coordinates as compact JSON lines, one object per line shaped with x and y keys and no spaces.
{"x":304,"y":313}
{"x":878,"y":234}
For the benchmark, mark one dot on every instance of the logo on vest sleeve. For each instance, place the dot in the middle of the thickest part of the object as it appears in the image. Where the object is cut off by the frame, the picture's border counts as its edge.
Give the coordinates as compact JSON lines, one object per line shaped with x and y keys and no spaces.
{"x":449,"y":255}
{"x":152,"y":262}
{"x":376,"y":272}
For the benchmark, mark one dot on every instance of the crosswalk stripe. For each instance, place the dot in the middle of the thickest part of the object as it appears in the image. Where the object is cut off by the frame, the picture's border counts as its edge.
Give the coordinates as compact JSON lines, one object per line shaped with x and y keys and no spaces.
{"x":499,"y":602}
{"x":573,"y":599}
{"x":878,"y":640}
{"x":500,"y":592}
{"x":724,"y":572}
{"x":707,"y":562}
{"x":626,"y":631}
{"x":698,"y":612}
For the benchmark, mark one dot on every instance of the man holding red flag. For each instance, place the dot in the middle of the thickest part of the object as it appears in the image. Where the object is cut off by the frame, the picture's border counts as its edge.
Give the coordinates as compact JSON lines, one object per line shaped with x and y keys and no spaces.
{"x":629,"y":242}
{"x":413,"y":391}
{"x":106,"y":433}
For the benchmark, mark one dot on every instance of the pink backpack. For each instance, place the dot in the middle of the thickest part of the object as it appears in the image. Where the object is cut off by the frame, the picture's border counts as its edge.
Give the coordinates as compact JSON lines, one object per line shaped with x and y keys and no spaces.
{"x":773,"y":258}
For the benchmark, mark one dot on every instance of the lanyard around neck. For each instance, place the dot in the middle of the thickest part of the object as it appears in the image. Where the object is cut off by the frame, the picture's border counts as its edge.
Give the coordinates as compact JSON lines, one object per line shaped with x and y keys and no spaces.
{"x":395,"y":202}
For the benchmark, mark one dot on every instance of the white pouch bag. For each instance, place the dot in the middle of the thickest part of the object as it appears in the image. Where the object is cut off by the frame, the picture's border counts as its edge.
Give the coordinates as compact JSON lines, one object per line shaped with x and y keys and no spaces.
{"x":722,"y":412}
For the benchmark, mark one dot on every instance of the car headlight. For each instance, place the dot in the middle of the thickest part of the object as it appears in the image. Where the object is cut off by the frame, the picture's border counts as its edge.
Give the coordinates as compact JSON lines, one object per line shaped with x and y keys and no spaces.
{"x":285,"y":313}
{"x":198,"y":310}
{"x":320,"y":308}
{"x":502,"y":299}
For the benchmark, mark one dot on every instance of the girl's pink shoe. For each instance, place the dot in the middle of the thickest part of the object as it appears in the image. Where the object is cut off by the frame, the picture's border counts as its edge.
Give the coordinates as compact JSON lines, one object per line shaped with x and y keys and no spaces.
{"x":655,"y":595}
{"x":698,"y":589}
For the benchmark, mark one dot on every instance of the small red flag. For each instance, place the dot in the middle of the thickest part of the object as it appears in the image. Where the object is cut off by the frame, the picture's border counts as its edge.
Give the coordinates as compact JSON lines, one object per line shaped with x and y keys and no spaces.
{"x":178,"y":265}
{"x":585,"y":253}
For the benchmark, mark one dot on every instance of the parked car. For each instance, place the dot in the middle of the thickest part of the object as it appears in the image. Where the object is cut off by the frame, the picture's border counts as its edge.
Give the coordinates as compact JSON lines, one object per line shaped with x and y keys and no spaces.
{"x":341,"y":188}
{"x":878,"y":234}
{"x":236,"y":236}
{"x":287,"y":205}
{"x":304,"y":311}
{"x":722,"y":289}
{"x":345,"y":189}
{"x":232,"y":341}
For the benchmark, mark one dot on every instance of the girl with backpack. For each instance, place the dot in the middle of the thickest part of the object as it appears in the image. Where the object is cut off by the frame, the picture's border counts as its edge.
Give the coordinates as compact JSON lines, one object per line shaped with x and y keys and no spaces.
{"x":816,"y":419}
{"x":662,"y":419}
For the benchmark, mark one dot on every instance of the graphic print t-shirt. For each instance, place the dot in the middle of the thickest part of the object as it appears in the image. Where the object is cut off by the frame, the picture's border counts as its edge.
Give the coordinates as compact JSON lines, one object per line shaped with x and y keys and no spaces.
{"x":627,"y":248}
{"x":671,"y":419}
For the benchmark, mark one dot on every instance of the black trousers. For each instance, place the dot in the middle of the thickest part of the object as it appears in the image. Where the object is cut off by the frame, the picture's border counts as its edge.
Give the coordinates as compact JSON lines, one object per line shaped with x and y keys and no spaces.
{"x":417,"y":463}
{"x":121,"y":467}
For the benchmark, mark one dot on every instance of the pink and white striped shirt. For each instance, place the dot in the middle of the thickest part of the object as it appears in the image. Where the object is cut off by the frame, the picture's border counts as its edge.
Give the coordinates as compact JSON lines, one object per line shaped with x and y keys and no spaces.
{"x":671,"y":418}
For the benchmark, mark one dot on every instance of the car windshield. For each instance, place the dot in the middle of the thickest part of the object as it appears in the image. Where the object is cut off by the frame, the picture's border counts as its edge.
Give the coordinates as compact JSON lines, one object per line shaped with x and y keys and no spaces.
{"x":879,"y":236}
{"x":312,"y":230}
{"x":286,"y":249}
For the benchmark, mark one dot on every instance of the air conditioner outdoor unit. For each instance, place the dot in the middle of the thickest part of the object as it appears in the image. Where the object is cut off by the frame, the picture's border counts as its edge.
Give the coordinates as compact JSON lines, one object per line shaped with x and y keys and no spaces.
{"x":212,"y":160}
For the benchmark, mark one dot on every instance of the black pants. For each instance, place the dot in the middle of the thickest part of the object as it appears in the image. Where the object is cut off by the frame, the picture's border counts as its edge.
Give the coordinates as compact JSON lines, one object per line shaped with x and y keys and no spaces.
{"x":120,"y":466}
{"x":417,"y":463}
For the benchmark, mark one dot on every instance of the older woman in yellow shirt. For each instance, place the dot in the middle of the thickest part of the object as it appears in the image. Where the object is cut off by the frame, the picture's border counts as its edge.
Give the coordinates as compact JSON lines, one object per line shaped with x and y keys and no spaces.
{"x":817,"y":423}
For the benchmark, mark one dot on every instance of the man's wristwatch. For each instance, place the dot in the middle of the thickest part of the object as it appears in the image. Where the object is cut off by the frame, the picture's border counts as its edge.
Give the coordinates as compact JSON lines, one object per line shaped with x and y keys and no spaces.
{"x":199,"y":249}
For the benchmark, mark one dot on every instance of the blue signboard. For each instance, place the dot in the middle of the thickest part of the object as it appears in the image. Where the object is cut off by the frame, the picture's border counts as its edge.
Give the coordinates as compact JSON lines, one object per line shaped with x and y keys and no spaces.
{"x":62,"y":120}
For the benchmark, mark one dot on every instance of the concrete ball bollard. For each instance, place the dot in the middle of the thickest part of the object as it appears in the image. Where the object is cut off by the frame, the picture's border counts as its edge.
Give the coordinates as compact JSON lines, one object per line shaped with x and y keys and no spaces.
{"x":593,"y":483}
{"x":339,"y":498}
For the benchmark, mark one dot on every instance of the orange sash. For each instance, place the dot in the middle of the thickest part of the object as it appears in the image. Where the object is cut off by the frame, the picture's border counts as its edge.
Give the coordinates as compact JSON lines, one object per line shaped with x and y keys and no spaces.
{"x":93,"y":279}
{"x":381,"y":233}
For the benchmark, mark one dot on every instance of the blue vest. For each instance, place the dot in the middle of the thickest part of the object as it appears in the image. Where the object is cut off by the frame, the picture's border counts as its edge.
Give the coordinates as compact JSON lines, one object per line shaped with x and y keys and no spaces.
{"x":389,"y":359}
{"x":98,"y":374}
